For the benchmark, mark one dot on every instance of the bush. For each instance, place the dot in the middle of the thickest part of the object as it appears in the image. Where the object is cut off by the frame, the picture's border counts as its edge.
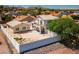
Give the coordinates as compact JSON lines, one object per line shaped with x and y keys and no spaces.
{"x":67,"y":29}
{"x":17,"y":38}
{"x":6,"y":18}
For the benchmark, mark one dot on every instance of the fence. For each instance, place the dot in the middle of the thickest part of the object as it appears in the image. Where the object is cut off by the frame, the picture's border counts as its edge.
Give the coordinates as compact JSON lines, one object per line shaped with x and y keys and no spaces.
{"x":29,"y":46}
{"x":13,"y":41}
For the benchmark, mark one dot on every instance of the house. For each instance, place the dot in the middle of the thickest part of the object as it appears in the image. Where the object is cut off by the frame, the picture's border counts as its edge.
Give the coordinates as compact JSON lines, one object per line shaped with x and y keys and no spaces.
{"x":74,"y":14}
{"x":55,"y":13}
{"x":26,"y":23}
{"x":28,"y":18}
{"x":42,"y":22}
{"x":64,"y":13}
{"x":22,"y":23}
{"x":31,"y":39}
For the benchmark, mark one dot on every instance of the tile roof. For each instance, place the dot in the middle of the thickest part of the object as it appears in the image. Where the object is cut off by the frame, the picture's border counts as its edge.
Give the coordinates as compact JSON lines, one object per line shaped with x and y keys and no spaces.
{"x":24,"y":17}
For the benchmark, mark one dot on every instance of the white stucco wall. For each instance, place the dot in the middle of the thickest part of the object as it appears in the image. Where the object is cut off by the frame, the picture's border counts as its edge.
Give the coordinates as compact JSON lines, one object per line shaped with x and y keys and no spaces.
{"x":25,"y":47}
{"x":13,"y":41}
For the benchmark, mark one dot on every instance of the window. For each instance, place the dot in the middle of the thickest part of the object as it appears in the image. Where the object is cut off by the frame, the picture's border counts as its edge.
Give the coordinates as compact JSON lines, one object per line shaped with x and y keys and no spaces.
{"x":17,"y":29}
{"x":24,"y":28}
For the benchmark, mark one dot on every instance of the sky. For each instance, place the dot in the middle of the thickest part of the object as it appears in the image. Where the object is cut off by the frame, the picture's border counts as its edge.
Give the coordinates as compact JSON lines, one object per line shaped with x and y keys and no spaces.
{"x":53,"y":6}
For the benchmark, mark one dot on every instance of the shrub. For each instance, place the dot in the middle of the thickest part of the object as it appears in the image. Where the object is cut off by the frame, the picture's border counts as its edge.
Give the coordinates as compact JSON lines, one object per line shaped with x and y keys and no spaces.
{"x":17,"y":38}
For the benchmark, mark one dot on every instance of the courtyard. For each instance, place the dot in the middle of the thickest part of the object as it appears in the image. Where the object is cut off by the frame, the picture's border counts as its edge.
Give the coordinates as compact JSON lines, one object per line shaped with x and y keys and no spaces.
{"x":30,"y":36}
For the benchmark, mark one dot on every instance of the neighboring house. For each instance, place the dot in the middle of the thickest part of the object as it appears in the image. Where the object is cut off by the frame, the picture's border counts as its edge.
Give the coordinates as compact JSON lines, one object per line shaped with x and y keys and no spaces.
{"x":64,"y":13}
{"x":55,"y":13}
{"x":42,"y":21}
{"x":74,"y":14}
{"x":28,"y":18}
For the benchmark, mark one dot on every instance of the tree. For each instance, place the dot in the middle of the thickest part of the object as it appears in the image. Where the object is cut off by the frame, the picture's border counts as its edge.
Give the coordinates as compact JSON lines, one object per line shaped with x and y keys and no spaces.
{"x":67,"y":29}
{"x":75,"y":17}
{"x":7,"y":18}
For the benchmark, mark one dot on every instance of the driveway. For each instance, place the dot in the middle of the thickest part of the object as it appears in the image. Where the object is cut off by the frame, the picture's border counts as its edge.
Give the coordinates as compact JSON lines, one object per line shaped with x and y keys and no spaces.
{"x":4,"y":48}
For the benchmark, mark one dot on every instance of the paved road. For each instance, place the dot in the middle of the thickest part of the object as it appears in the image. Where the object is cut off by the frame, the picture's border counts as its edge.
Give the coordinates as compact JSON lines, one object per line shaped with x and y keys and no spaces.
{"x":4,"y":48}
